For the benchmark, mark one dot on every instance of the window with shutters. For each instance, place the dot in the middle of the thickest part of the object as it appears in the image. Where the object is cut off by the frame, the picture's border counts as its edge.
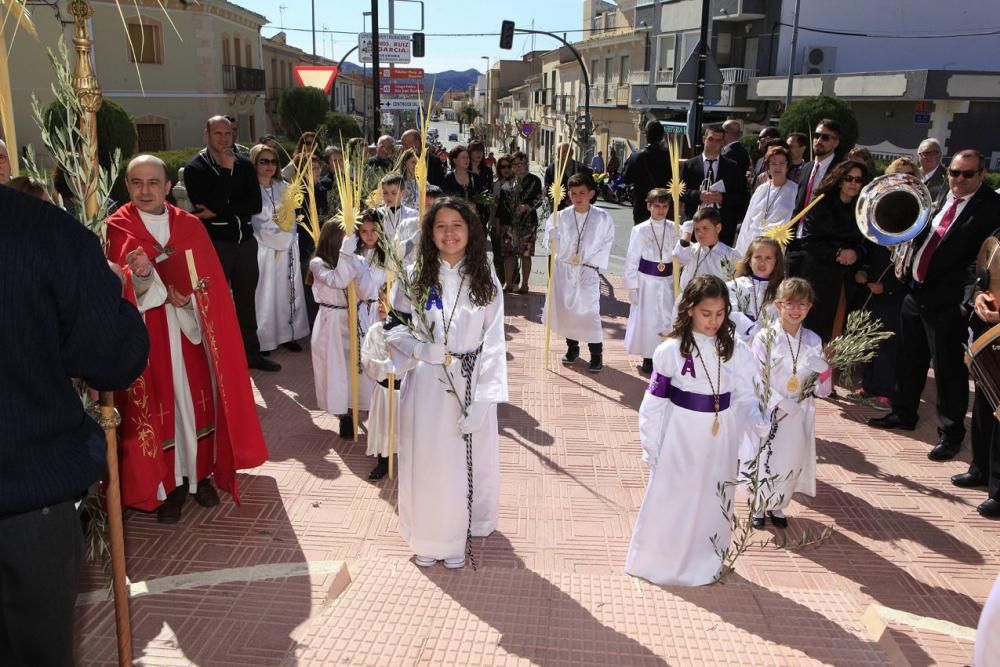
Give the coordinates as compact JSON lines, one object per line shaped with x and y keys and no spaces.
{"x":144,"y":44}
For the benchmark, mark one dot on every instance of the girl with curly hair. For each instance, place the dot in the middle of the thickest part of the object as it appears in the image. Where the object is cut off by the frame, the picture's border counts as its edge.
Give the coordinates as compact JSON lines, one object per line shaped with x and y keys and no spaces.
{"x":449,"y":453}
{"x":693,"y":416}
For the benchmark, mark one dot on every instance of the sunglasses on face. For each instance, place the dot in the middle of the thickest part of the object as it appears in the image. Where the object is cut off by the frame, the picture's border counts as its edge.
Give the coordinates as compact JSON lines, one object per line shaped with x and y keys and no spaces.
{"x":854,"y":179}
{"x":965,"y":173}
{"x":823,"y":136}
{"x":928,"y":153}
{"x":266,"y":161}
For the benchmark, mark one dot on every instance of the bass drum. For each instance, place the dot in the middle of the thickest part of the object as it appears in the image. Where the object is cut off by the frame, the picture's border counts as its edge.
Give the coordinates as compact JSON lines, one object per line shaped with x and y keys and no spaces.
{"x":988,"y":266}
{"x":984,"y":365}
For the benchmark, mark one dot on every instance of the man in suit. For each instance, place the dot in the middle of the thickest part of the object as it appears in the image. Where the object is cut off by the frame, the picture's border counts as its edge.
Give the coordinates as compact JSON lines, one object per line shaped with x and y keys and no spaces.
{"x":932,"y":169}
{"x":826,"y":141}
{"x":572,"y":167}
{"x":647,"y":169}
{"x":933,"y":324}
{"x":702,"y":171}
{"x":733,"y":148}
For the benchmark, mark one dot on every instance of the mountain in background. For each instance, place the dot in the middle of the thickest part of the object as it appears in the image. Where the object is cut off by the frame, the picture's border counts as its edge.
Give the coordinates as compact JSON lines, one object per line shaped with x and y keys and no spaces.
{"x":442,"y":81}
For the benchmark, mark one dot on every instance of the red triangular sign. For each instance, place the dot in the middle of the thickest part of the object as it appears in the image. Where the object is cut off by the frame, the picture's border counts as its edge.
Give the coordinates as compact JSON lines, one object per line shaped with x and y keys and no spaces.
{"x":317,"y":77}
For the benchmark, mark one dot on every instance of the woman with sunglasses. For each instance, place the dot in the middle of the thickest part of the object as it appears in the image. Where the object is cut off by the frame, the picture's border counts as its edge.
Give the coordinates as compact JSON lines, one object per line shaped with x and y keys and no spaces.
{"x":830,"y":245}
{"x":519,"y":219}
{"x":504,"y":182}
{"x":280,"y":296}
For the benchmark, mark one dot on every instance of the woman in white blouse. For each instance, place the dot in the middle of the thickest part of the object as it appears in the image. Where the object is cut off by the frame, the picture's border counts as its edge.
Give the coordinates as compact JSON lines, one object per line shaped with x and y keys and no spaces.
{"x":773,"y":202}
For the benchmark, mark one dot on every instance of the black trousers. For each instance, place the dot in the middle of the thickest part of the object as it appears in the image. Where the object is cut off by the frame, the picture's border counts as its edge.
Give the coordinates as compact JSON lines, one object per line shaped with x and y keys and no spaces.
{"x":594,"y":348}
{"x":985,"y":443}
{"x":826,"y":278}
{"x":239,"y":263}
{"x":933,"y":335}
{"x":880,"y":375}
{"x":40,"y":557}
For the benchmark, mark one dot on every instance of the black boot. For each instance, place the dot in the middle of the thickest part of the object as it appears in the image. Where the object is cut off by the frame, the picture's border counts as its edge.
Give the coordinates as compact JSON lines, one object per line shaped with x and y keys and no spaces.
{"x":170,"y":510}
{"x":647,"y":366}
{"x":380,"y":470}
{"x":596,"y":357}
{"x":346,"y":427}
{"x":572,"y":352}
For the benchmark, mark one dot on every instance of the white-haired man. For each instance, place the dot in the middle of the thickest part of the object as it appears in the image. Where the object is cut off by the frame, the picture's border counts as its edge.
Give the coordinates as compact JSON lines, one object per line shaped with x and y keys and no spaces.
{"x":191,"y":415}
{"x":932,"y":171}
{"x":383,"y":153}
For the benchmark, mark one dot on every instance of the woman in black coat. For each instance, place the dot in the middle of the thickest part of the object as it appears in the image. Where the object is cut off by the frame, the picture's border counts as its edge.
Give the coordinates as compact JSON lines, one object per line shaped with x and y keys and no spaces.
{"x":830,"y":245}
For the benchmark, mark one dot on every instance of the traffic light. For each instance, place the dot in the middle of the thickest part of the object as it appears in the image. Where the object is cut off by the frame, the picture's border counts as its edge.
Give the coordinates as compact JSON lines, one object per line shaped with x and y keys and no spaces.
{"x":507,"y":35}
{"x":418,"y":45}
{"x":583,"y":126}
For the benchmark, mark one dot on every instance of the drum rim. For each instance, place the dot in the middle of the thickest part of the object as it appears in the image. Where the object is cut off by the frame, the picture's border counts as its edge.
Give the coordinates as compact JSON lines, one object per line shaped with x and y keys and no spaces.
{"x":984,"y":339}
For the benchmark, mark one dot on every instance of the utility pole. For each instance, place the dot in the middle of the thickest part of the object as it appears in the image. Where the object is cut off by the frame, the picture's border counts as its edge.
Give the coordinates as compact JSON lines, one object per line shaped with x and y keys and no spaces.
{"x":699,"y":104}
{"x":396,"y":115}
{"x":376,"y":129}
{"x":313,"y":3}
{"x":791,"y":55}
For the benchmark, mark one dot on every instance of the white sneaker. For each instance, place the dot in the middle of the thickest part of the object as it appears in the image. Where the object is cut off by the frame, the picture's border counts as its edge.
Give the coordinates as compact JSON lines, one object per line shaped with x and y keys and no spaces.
{"x":454,"y":563}
{"x":426,"y":561}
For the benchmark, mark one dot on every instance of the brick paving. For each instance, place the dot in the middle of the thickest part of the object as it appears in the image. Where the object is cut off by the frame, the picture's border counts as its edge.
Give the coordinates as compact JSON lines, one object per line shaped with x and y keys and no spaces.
{"x":906,"y":546}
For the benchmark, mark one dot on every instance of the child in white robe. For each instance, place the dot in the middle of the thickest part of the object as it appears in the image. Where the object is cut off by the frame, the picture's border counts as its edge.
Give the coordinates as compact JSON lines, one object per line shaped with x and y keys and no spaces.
{"x":648,"y":277}
{"x":449,"y":451}
{"x":787,"y":462}
{"x":753,"y":291}
{"x":378,"y":366}
{"x":332,"y":270}
{"x":693,"y":417}
{"x":583,"y":235}
{"x":708,"y":256}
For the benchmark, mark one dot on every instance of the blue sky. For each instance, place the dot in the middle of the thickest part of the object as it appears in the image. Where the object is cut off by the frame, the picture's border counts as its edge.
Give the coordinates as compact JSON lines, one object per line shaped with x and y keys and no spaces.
{"x":440,"y":16}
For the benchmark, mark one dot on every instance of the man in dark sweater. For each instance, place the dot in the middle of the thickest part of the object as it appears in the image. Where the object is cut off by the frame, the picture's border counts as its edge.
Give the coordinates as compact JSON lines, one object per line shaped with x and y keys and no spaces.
{"x":63,"y":317}
{"x":647,"y":169}
{"x":223,"y":189}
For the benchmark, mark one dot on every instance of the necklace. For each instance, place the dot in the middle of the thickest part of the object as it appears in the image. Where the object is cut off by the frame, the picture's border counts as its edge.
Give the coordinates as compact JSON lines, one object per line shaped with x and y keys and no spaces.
{"x":768,"y":201}
{"x":661,"y":266}
{"x":753,"y":294}
{"x":714,"y":386}
{"x":699,"y":259}
{"x":575,"y":259}
{"x":451,"y":317}
{"x":274,"y":207}
{"x":793,"y":382}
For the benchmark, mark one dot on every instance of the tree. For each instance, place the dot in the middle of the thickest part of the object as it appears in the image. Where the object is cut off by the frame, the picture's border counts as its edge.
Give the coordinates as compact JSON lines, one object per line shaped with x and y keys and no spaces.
{"x":115,"y":129}
{"x":467,"y":114}
{"x":803,"y":115}
{"x":341,"y":125}
{"x":302,"y":109}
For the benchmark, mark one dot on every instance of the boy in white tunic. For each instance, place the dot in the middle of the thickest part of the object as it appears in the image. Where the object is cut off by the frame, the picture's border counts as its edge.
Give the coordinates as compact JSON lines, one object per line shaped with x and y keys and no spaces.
{"x":788,"y":458}
{"x":692,"y":419}
{"x":583,"y":235}
{"x":648,"y":279}
{"x":708,"y":256}
{"x":455,"y":359}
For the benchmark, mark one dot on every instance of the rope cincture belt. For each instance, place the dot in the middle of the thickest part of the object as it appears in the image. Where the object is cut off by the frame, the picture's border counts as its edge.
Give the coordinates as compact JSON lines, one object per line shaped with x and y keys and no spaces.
{"x":331,"y":305}
{"x":468,"y":361}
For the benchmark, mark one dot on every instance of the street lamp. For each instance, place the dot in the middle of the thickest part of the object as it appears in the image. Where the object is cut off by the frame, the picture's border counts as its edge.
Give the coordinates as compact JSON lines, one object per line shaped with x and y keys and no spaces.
{"x":486,"y":102}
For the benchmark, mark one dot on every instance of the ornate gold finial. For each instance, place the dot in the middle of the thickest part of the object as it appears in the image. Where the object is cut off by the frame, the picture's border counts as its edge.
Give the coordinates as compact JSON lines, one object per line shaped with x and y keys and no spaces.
{"x":84,"y":80}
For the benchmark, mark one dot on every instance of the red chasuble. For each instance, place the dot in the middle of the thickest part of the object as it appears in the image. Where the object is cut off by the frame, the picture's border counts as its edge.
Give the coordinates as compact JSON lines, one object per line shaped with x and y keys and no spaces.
{"x":226,"y":419}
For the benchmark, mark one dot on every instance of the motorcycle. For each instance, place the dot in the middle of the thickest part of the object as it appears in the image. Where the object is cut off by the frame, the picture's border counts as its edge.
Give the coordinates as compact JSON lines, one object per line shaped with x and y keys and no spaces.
{"x":613,"y":189}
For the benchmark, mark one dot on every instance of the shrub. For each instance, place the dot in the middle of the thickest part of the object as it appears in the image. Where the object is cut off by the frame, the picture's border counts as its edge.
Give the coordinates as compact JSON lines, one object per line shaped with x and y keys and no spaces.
{"x":341,"y":125}
{"x":804,"y":114}
{"x":302,"y":109}
{"x":115,"y":129}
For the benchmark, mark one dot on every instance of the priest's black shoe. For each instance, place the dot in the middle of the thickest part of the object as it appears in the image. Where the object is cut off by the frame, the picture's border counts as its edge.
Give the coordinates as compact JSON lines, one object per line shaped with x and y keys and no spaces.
{"x":778,"y":521}
{"x":968,"y":481}
{"x":647,"y":366}
{"x":206,"y":495}
{"x":380,"y":470}
{"x":346,"y":427}
{"x":596,"y":363}
{"x":757,"y":522}
{"x":170,"y":510}
{"x":990,"y":509}
{"x":892,"y":420}
{"x":944,"y":451}
{"x":292,"y":346}
{"x":572,"y":354}
{"x":261,"y":364}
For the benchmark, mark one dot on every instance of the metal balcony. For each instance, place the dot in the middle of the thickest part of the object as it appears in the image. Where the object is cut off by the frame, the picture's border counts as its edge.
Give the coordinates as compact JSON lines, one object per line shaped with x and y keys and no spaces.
{"x":242,"y":79}
{"x":738,"y":10}
{"x":737,"y":75}
{"x":639,"y":78}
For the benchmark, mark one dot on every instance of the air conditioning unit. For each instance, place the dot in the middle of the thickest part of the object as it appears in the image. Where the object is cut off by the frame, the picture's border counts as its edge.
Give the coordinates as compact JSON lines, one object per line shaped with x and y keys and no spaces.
{"x":818,"y":59}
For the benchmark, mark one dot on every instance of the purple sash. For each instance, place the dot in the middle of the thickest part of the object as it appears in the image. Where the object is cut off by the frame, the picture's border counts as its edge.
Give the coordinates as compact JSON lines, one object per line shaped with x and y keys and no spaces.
{"x":698,"y":402}
{"x":649,"y":267}
{"x":659,"y":385}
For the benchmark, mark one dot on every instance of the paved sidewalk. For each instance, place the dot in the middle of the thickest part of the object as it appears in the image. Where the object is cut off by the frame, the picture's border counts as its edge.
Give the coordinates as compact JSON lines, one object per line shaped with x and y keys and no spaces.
{"x":901,"y":580}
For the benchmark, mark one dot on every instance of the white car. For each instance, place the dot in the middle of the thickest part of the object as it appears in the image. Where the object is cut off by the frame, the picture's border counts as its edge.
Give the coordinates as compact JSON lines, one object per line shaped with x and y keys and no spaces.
{"x":435,"y":118}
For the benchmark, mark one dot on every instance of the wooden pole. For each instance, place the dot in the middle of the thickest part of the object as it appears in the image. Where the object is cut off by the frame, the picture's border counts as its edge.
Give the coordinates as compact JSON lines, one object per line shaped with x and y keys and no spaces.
{"x":89,"y":91}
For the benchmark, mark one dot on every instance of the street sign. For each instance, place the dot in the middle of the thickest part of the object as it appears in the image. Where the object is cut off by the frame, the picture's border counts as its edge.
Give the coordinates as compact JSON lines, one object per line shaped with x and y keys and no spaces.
{"x":400,"y":104}
{"x":404,"y":73}
{"x":687,"y":80}
{"x":393,"y":88}
{"x":922,"y":118}
{"x":317,"y":77}
{"x":391,"y":48}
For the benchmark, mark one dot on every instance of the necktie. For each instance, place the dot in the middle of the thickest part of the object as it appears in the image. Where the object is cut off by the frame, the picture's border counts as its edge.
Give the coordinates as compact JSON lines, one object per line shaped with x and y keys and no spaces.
{"x":711,"y":171}
{"x":812,"y":181}
{"x":935,"y":240}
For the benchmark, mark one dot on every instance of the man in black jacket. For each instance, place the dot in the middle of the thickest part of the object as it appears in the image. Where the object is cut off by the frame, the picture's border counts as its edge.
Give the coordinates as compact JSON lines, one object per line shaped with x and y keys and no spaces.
{"x":702,"y":174}
{"x":572,"y":167}
{"x":63,"y":317}
{"x":223,"y":189}
{"x":733,"y":149}
{"x":934,"y":324}
{"x":647,"y":169}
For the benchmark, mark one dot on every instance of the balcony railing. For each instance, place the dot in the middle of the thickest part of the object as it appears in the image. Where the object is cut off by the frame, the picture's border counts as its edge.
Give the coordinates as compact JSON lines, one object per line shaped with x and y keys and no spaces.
{"x":737,"y":75}
{"x":665,"y":76}
{"x":639,"y":78}
{"x":242,"y":78}
{"x":622,"y":98}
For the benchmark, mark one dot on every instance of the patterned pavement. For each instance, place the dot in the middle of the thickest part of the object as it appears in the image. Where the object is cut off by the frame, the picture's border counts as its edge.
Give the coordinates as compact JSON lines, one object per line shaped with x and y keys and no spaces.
{"x":324,"y":578}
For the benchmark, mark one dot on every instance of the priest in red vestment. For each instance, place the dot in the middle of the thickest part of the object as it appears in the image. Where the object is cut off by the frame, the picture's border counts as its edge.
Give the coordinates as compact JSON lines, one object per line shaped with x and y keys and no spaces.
{"x":191,"y":415}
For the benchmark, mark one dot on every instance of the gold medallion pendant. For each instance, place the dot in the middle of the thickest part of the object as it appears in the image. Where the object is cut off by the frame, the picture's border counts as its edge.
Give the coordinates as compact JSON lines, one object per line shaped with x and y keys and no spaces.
{"x":793,"y":384}
{"x":715,"y":426}
{"x":575,"y":259}
{"x":661,"y":267}
{"x":447,"y":359}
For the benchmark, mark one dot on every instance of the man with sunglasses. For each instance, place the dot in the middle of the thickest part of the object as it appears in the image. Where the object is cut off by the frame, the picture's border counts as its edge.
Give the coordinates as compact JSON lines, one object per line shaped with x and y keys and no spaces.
{"x":826,"y":140}
{"x":935,"y":312}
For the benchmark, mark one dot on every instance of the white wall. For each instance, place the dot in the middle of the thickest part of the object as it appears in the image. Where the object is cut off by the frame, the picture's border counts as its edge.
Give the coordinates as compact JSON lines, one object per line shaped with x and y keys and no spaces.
{"x":906,"y":17}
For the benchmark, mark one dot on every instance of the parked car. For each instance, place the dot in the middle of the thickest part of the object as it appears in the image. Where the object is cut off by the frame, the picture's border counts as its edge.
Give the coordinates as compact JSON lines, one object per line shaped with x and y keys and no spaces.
{"x":453,"y":136}
{"x":435,"y":118}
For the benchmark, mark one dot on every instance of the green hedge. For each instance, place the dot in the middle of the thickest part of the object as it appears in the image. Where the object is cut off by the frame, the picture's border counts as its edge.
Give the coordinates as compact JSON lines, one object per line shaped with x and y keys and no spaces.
{"x":176,"y":159}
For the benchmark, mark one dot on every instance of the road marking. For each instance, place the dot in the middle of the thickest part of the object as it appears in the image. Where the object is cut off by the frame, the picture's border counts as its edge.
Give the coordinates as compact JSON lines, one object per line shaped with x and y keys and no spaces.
{"x":182,"y":582}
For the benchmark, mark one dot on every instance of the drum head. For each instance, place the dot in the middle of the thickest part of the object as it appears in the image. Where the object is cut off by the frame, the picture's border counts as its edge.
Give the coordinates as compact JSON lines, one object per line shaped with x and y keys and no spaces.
{"x":988,"y":265}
